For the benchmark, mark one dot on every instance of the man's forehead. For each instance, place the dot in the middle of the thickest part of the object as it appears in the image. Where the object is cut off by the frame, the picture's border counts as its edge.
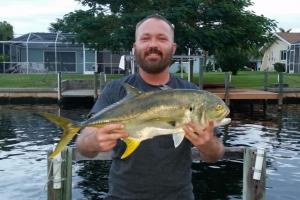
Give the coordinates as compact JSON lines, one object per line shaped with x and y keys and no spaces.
{"x":152,"y":24}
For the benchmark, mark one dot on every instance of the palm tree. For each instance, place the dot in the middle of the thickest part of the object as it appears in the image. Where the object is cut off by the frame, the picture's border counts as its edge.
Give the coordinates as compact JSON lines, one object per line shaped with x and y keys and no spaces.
{"x":282,"y":30}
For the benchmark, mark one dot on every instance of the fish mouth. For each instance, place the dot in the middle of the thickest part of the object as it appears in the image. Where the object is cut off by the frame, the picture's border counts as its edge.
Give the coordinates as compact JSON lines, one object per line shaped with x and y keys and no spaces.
{"x":223,"y":122}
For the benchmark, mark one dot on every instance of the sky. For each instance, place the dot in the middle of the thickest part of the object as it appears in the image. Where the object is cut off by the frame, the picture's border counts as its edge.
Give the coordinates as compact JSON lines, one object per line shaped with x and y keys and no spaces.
{"x":36,"y":15}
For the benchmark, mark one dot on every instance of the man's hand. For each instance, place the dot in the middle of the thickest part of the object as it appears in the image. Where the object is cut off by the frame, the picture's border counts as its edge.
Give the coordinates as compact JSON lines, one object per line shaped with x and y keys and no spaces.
{"x":93,"y":140}
{"x":204,"y":139}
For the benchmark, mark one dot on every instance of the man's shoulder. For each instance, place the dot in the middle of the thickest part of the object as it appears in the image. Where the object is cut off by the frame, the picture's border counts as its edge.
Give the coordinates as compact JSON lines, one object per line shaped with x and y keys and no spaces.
{"x":179,"y":82}
{"x":118,"y":83}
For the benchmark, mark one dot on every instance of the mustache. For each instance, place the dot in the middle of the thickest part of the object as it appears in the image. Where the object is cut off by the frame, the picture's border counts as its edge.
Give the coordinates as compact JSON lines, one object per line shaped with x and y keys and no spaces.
{"x":153,"y":50}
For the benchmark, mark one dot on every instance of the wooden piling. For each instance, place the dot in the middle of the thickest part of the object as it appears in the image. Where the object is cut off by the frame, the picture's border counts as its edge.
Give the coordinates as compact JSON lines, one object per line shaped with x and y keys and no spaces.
{"x":253,"y":189}
{"x":64,"y":192}
{"x":266,"y":77}
{"x":280,"y":85}
{"x":59,"y":92}
{"x":95,"y":85}
{"x":201,"y":77}
{"x":102,"y":80}
{"x":227,"y":80}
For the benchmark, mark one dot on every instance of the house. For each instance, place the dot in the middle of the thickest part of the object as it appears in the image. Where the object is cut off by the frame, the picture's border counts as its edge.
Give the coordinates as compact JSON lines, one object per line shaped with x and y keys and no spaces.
{"x":285,"y":50}
{"x":54,"y":52}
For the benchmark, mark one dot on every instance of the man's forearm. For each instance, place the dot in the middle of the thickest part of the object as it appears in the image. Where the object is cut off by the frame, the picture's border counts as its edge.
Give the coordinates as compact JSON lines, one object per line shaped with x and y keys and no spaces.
{"x":82,"y":146}
{"x":212,"y":151}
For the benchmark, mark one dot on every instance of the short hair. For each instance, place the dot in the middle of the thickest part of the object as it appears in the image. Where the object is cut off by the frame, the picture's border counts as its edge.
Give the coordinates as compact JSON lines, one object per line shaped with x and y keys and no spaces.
{"x":155,"y":16}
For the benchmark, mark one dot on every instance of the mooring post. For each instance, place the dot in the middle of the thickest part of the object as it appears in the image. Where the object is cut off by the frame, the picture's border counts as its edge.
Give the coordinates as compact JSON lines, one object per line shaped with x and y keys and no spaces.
{"x":266,"y":74}
{"x":227,"y":80}
{"x":59,"y":172}
{"x":95,"y":85}
{"x":280,"y":85}
{"x":59,"y":96}
{"x":201,"y":72}
{"x":254,"y":174}
{"x":102,"y":81}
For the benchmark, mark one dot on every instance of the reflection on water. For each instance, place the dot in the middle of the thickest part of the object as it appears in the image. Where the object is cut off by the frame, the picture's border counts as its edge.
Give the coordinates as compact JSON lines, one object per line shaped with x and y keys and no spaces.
{"x":25,"y":138}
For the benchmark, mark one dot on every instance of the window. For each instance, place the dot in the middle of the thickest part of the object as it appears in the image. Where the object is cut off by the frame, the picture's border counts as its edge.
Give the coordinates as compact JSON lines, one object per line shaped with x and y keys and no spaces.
{"x":66,"y":61}
{"x":283,"y":55}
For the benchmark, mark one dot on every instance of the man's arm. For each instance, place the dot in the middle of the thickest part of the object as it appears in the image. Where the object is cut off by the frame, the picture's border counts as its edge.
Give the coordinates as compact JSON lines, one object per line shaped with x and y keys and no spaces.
{"x":210,"y":147}
{"x":91,"y":140}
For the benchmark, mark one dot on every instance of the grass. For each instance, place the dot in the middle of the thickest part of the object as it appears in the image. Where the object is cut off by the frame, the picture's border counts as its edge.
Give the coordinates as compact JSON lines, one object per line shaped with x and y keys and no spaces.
{"x":244,"y":79}
{"x":41,"y":80}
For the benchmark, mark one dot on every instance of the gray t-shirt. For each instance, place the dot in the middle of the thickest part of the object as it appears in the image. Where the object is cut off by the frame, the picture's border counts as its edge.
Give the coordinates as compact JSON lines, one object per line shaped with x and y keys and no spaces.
{"x":156,"y":169}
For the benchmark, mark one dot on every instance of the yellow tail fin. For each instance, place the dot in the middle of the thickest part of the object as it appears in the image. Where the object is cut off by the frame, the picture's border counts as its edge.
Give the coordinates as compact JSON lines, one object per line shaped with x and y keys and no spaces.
{"x":70,"y":130}
{"x":131,"y":145}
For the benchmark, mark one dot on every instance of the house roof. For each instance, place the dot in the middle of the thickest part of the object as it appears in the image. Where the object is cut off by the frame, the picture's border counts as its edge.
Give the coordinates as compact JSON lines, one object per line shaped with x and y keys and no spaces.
{"x":291,"y":38}
{"x":45,"y":37}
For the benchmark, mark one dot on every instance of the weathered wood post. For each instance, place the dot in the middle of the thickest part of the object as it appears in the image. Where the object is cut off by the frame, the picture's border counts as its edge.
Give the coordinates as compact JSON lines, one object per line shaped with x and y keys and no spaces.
{"x":102,"y":81}
{"x":254,"y":171}
{"x":60,"y":175}
{"x":201,"y":72}
{"x":254,"y":174}
{"x":280,"y":85}
{"x":266,"y":76}
{"x":227,"y":77}
{"x":59,"y":88}
{"x":95,"y":85}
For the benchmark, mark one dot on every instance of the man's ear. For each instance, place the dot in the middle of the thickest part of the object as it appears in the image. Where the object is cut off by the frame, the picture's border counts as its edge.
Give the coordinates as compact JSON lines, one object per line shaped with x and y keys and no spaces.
{"x":174,"y":46}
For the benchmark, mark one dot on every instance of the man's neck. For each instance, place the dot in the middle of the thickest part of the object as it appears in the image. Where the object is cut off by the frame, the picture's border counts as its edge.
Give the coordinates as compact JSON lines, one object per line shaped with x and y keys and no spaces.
{"x":155,"y":79}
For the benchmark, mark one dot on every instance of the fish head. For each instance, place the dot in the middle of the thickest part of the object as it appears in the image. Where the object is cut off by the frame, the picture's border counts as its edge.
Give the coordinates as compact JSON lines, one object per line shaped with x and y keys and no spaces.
{"x":212,"y":108}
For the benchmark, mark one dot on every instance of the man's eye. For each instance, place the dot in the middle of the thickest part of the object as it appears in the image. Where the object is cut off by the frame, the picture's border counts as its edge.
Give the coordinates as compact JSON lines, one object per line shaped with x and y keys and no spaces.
{"x":162,"y":39}
{"x":145,"y":39}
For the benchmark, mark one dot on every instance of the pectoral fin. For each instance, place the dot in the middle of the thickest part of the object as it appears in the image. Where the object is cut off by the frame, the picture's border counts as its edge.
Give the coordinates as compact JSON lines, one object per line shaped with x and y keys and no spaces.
{"x":131,"y":145}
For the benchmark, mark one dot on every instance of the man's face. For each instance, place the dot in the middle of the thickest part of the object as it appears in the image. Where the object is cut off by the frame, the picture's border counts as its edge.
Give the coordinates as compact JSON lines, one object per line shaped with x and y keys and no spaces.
{"x":154,"y":46}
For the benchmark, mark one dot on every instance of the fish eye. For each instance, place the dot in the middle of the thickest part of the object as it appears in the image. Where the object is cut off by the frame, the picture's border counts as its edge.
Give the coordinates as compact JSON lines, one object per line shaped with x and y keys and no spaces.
{"x":219,"y":107}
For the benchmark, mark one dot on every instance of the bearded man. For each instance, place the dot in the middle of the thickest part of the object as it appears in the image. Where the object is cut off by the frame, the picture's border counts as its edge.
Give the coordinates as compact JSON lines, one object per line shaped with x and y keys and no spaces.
{"x":156,"y":170}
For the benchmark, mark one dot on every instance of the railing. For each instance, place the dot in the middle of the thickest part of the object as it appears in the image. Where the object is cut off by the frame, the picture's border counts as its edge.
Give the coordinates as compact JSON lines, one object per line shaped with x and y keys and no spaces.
{"x":254,"y":171}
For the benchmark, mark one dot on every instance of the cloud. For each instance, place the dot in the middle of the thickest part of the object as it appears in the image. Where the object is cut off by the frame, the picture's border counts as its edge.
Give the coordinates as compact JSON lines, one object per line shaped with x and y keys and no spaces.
{"x":35,"y":15}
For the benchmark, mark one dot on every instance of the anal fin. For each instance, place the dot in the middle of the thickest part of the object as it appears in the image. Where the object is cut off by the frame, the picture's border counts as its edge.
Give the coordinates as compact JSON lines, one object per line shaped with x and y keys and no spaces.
{"x":131,"y":145}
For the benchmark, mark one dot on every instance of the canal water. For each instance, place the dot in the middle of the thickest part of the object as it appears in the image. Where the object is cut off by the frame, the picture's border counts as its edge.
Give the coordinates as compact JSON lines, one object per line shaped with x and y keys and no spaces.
{"x":25,"y":138}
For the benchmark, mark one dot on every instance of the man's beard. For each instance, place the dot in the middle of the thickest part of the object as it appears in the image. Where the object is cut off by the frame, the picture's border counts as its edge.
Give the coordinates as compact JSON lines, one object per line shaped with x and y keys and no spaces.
{"x":154,"y":67}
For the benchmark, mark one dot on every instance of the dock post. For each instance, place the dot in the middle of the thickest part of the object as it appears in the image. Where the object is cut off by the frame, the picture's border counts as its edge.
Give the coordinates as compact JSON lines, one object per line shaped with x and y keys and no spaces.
{"x":60,"y":176}
{"x":266,"y":76}
{"x":201,"y":77}
{"x":227,"y":77}
{"x":254,"y":174}
{"x":59,"y":96}
{"x":102,"y":80}
{"x":280,"y":85}
{"x":95,"y":85}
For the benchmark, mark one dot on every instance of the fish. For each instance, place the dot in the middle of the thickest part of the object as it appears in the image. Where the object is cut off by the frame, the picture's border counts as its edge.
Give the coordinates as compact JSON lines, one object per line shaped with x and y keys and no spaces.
{"x":146,"y":115}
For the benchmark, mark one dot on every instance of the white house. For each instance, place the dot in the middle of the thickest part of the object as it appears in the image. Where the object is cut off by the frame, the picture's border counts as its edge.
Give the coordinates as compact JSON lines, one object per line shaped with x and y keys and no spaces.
{"x":285,"y":50}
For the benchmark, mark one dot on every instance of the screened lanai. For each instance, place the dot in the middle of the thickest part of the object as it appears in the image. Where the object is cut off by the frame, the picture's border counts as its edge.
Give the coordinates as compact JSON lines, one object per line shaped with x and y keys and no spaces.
{"x":293,"y":58}
{"x":53,"y":52}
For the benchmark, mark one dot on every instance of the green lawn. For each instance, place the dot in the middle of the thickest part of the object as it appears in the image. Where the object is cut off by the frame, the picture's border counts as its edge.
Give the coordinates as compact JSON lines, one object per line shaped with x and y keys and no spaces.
{"x":41,"y":80}
{"x":242,"y":80}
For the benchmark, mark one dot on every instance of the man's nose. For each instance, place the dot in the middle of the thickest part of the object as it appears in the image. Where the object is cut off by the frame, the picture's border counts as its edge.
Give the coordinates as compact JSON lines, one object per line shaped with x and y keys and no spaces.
{"x":153,"y":43}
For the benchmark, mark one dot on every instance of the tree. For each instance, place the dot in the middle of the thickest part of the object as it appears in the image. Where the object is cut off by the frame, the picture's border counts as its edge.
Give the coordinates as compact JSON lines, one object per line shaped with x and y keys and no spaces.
{"x":209,"y":25}
{"x":231,"y":59}
{"x":6,"y":31}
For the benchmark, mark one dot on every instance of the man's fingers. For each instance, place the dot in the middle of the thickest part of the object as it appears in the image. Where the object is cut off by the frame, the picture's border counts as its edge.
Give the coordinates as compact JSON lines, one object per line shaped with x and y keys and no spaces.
{"x":189,"y":133}
{"x":111,"y":127}
{"x":113,"y":136}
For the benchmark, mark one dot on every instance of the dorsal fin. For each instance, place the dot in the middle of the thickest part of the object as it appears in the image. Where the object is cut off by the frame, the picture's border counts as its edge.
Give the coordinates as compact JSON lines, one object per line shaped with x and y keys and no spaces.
{"x":130,"y":90}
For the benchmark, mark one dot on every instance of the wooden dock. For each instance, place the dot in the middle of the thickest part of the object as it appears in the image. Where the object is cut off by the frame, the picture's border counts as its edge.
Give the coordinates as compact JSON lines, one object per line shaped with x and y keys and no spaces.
{"x":241,"y":94}
{"x":254,"y":170}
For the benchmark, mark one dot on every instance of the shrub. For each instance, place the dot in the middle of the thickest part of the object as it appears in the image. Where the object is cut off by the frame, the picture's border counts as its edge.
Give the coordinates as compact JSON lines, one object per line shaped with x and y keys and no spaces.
{"x":279,"y":67}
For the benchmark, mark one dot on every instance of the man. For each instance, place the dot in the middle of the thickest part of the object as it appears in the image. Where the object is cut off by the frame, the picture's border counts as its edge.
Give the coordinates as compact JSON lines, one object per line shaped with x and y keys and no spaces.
{"x":156,"y":170}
